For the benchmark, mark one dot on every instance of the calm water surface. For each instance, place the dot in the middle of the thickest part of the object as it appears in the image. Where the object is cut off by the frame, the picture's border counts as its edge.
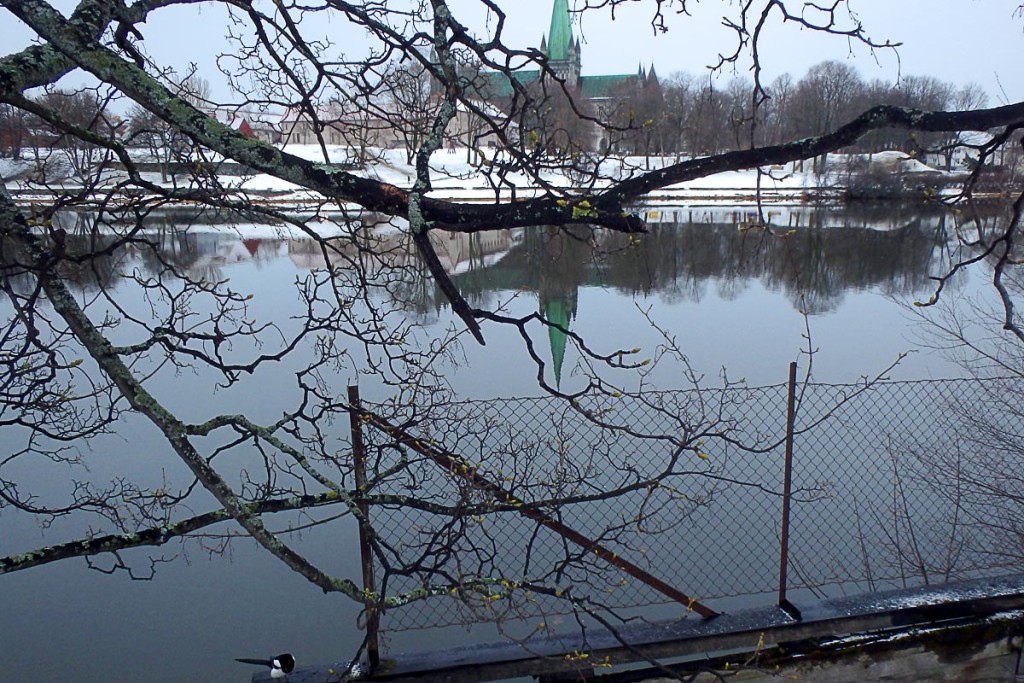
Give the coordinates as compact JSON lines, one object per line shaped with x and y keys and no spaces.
{"x":732,"y":297}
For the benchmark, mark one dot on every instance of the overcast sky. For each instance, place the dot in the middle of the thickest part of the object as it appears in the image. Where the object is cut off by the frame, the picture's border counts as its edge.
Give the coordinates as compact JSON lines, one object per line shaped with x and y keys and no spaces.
{"x":955,"y":40}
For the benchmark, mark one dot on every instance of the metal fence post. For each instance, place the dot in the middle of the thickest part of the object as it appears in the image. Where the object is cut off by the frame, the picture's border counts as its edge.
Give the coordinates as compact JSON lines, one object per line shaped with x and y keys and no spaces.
{"x":787,"y":490}
{"x":365,"y":554}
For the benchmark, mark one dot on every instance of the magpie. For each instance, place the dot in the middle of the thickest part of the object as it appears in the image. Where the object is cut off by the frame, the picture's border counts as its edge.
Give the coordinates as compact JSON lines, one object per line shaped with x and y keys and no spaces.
{"x":280,"y":666}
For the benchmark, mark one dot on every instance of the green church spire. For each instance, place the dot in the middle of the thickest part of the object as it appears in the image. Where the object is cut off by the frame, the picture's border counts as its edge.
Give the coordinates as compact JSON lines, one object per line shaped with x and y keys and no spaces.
{"x":560,"y":34}
{"x":559,"y":310}
{"x":556,"y":312}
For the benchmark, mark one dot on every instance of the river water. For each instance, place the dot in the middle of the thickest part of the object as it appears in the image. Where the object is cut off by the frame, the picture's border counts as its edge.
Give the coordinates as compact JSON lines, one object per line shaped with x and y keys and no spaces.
{"x":737,"y":301}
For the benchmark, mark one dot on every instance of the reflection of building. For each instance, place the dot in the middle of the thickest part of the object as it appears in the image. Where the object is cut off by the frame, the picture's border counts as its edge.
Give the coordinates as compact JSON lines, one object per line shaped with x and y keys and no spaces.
{"x":559,"y":311}
{"x":458,"y":252}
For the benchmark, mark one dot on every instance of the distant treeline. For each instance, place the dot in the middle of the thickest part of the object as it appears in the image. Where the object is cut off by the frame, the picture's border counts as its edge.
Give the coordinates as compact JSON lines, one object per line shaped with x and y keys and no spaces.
{"x":691,"y":116}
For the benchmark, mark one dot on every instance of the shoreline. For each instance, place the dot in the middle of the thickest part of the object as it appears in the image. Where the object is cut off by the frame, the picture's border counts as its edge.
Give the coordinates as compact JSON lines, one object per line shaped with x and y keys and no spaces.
{"x":890,"y":177}
{"x":302,"y":202}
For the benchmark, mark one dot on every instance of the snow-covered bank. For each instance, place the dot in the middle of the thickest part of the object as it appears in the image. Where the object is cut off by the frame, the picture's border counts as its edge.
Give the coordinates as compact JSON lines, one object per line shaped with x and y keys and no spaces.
{"x":484,"y":178}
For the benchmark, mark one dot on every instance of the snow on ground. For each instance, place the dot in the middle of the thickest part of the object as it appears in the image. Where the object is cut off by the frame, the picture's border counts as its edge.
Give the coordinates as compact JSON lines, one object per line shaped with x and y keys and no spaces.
{"x":9,"y":168}
{"x":453,"y":172}
{"x":456,"y":176}
{"x":472,"y":176}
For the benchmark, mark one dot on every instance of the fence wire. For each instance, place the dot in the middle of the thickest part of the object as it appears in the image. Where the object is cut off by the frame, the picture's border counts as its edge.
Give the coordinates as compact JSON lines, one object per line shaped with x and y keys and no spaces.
{"x":889,"y":490}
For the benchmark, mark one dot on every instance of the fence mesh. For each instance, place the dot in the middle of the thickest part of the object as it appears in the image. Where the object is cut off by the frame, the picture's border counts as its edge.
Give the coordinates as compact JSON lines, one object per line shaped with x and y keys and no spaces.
{"x":688,"y":486}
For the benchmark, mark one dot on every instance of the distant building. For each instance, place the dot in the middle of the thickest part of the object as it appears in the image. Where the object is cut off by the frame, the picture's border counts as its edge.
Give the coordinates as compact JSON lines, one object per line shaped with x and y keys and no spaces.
{"x":252,"y":123}
{"x":564,"y":53}
{"x":336,"y":124}
{"x":565,"y":57}
{"x":357,"y":128}
{"x":491,"y":93}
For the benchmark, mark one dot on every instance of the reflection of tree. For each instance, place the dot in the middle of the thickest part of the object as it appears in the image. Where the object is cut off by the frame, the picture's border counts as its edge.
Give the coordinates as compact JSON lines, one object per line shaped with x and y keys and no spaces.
{"x":179,"y":247}
{"x":92,"y":265}
{"x":813,"y":266}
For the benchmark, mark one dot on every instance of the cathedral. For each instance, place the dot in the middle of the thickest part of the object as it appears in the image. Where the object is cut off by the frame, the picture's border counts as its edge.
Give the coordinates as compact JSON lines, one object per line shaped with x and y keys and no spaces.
{"x":606,"y":96}
{"x":565,"y":59}
{"x":564,"y":54}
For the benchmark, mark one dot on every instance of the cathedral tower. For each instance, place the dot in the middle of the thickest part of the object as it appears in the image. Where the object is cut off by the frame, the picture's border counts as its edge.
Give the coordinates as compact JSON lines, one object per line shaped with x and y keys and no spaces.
{"x":562,"y":51}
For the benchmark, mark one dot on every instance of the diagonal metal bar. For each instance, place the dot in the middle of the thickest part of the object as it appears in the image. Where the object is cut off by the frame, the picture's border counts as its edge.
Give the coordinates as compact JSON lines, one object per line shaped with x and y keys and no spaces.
{"x":456,"y":465}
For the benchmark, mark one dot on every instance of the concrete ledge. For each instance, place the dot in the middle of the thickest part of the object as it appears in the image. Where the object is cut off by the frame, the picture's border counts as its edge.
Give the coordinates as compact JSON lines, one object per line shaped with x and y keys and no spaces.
{"x":941,"y":607}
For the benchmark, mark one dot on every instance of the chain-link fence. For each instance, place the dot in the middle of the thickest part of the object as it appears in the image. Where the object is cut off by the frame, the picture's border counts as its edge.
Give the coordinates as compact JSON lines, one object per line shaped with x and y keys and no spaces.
{"x":687,"y":487}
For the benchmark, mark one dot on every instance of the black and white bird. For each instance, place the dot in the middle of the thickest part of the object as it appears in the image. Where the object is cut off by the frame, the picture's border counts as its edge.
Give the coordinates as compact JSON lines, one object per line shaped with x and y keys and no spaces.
{"x":280,"y":666}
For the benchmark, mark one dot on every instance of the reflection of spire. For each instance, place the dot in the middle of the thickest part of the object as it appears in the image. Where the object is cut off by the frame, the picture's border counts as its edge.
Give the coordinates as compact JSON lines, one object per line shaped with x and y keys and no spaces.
{"x":559,"y":311}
